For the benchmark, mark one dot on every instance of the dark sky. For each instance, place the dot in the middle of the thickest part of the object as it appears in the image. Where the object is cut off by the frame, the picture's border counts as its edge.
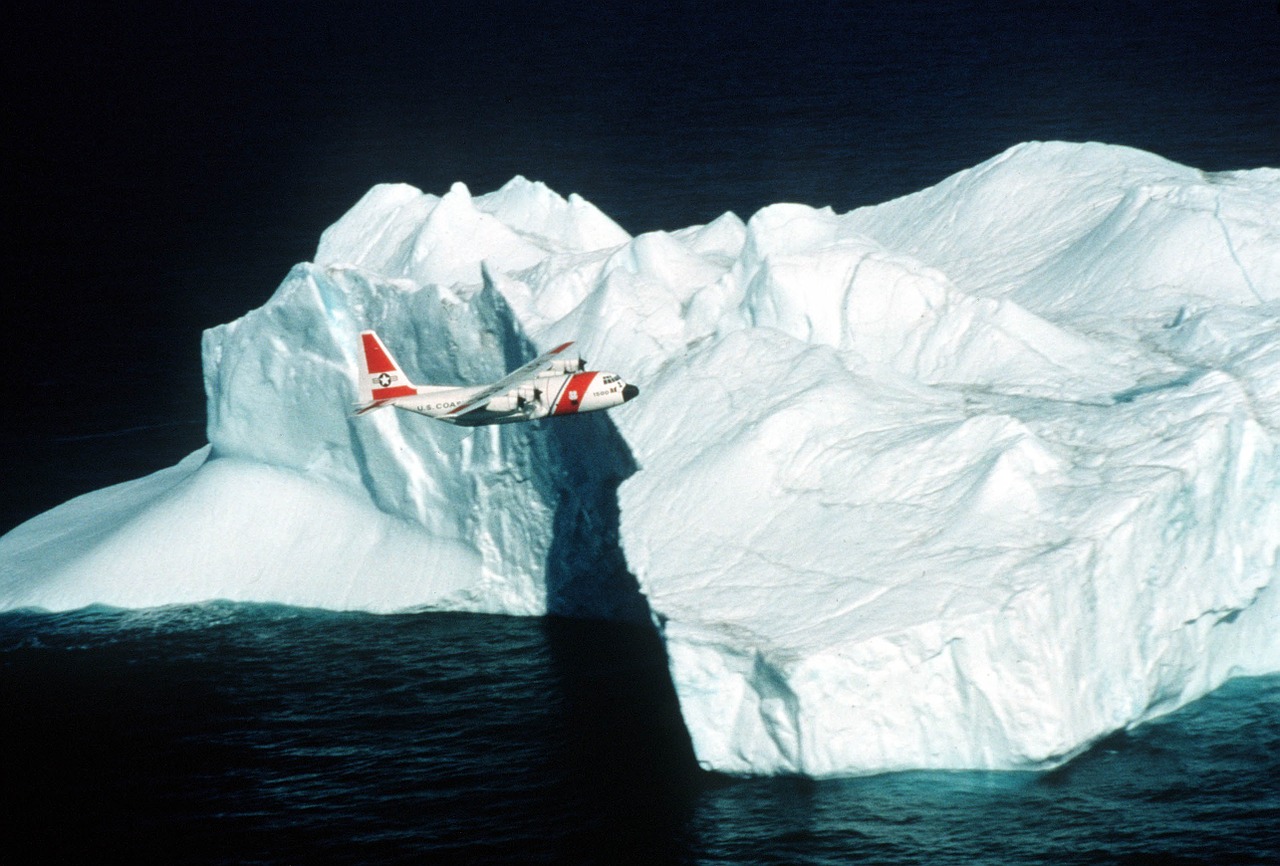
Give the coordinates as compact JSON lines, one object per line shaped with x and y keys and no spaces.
{"x":168,"y":162}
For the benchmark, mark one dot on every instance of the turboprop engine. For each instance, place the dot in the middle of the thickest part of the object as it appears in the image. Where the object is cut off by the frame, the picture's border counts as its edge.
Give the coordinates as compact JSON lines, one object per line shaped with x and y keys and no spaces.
{"x":515,"y":399}
{"x":562,"y":367}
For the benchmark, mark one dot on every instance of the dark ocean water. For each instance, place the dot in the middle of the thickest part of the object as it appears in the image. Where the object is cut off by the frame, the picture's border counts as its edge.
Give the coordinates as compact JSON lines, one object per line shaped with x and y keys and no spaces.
{"x":170,"y":161}
{"x":257,"y":734}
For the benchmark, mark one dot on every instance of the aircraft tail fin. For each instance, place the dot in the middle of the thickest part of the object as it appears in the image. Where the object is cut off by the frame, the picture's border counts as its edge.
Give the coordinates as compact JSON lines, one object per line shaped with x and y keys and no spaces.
{"x":381,"y":379}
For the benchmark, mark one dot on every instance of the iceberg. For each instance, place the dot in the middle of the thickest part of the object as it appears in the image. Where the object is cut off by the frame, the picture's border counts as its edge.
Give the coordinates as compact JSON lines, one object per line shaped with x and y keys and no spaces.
{"x":968,"y":479}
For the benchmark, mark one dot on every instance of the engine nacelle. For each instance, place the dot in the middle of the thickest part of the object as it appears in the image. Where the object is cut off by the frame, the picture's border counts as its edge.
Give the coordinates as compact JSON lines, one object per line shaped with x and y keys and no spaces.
{"x":515,"y":400}
{"x":503,"y":403}
{"x":563,"y":366}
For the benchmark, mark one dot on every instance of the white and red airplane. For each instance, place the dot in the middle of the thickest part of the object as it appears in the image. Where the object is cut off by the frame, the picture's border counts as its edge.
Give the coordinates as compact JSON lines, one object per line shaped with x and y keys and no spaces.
{"x":545,"y":386}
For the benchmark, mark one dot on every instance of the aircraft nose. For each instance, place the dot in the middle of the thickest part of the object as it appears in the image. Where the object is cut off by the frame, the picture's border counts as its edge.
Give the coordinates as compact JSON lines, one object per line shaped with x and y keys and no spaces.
{"x":629,"y":392}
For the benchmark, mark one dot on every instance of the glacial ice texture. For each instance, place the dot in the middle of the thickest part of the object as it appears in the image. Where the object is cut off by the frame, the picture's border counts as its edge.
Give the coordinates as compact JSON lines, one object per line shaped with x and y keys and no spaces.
{"x":968,"y":479}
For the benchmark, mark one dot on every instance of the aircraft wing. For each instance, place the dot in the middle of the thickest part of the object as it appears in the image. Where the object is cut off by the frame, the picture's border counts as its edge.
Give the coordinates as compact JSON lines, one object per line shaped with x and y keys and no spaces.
{"x":512,"y":380}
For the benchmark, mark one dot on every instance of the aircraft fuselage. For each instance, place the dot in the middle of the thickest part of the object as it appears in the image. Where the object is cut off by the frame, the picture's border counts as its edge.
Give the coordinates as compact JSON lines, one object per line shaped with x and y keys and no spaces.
{"x":549,"y":396}
{"x":543,"y":388}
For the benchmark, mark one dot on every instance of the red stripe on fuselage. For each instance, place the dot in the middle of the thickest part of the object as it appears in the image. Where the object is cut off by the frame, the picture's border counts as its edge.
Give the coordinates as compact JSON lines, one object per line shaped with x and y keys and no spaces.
{"x":376,"y":360}
{"x":578,"y":384}
{"x":397,"y":391}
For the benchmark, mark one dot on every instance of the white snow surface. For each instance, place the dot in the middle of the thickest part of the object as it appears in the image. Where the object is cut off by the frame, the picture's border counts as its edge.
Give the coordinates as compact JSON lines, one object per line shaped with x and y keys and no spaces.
{"x":968,"y":479}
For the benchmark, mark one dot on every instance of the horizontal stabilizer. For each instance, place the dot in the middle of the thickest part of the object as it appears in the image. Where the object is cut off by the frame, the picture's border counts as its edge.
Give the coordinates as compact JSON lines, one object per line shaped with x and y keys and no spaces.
{"x":369,"y":407}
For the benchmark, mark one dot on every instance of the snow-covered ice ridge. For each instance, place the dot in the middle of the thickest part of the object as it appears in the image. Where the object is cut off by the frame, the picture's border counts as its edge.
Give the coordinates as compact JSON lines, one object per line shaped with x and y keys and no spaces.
{"x":968,"y":479}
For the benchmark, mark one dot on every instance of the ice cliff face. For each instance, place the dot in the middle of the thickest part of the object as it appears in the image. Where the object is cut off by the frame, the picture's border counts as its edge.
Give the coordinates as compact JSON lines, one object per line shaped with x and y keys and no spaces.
{"x":966,"y":479}
{"x":993,"y":468}
{"x":298,"y":502}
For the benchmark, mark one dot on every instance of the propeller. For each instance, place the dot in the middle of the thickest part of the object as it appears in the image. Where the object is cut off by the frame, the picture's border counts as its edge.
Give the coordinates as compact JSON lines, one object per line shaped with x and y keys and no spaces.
{"x":534,"y":396}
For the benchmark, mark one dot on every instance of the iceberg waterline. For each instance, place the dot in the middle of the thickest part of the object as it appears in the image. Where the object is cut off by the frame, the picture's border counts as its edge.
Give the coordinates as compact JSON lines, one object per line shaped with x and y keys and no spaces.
{"x":964,"y":480}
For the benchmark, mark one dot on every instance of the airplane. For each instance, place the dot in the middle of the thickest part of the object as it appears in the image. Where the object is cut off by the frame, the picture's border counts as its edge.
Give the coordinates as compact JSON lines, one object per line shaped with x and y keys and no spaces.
{"x":545,"y":387}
